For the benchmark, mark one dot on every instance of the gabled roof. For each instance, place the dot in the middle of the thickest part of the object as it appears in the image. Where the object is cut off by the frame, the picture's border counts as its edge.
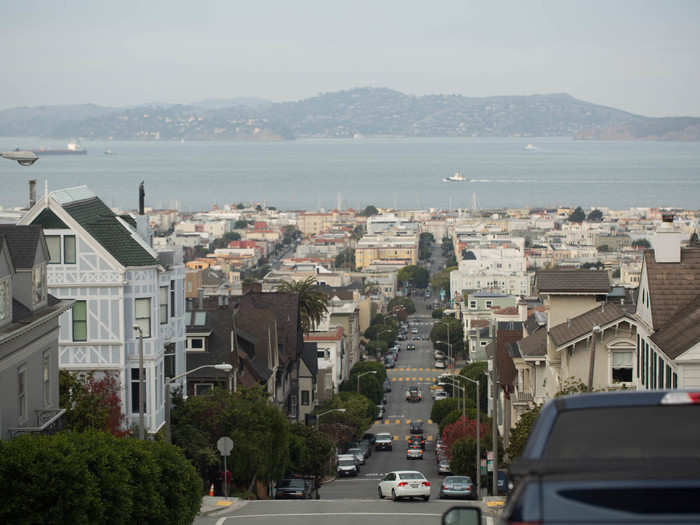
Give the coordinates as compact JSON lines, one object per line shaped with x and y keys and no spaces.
{"x":23,"y":242}
{"x":104,"y":226}
{"x":534,"y":345}
{"x":572,"y":281}
{"x":582,"y":324}
{"x":310,"y":357}
{"x":672,"y":286}
{"x":682,"y":332}
{"x":285,"y":307}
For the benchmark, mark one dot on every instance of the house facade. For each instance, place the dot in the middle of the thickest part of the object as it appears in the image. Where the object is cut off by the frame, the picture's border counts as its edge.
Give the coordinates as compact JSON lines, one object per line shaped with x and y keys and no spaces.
{"x":29,"y":397}
{"x":117,"y":282}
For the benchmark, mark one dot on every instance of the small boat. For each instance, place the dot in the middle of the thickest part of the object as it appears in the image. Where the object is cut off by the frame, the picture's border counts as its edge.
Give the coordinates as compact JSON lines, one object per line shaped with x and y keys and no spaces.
{"x":108,"y":152}
{"x":454,"y":178}
{"x":530,"y":147}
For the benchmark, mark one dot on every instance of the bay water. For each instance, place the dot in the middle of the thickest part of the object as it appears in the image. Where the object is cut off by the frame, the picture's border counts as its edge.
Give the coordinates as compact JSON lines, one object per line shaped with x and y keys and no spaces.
{"x":397,"y":172}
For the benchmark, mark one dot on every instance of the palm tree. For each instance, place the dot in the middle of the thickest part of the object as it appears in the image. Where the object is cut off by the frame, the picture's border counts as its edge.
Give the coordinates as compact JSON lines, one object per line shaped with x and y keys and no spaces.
{"x":313,"y":303}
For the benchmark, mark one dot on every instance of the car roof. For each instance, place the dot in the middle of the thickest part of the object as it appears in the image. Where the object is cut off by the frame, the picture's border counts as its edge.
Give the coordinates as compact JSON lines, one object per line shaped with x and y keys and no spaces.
{"x":407,"y":472}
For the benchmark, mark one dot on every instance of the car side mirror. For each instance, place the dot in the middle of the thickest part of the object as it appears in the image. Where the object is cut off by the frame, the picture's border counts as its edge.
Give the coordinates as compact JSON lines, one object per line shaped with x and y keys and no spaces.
{"x":462,"y":516}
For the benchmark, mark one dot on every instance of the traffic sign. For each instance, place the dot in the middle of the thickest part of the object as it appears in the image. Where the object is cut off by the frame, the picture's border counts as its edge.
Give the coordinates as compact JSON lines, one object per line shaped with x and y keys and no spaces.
{"x":225,"y":445}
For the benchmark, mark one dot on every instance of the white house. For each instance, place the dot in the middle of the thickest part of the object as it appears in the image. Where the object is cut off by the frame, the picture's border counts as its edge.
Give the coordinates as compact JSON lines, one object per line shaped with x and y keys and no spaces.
{"x":117,"y":281}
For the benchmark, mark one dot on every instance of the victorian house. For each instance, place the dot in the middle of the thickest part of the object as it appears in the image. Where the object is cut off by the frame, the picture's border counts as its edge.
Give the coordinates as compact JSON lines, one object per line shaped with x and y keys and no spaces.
{"x":105,"y":264}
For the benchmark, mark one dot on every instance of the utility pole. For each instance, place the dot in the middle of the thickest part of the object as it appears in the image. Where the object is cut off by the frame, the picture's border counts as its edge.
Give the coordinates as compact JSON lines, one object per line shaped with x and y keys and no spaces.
{"x":591,"y":363}
{"x":494,"y":424}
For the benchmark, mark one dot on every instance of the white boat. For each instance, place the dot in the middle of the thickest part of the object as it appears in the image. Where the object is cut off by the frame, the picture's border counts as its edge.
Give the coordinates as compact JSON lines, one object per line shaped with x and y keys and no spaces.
{"x":454,"y":178}
{"x":530,"y":147}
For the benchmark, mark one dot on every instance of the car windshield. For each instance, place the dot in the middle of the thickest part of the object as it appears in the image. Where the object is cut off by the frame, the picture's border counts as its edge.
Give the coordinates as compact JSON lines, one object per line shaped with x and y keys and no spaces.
{"x":411,"y":475}
{"x":346,"y":463}
{"x":383,"y":436}
{"x":354,"y":451}
{"x":290,"y":483}
{"x":457,"y":480}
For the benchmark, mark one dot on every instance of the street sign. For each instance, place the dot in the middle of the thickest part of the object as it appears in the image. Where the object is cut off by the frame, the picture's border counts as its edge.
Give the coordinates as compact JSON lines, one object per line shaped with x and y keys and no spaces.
{"x":225,"y":446}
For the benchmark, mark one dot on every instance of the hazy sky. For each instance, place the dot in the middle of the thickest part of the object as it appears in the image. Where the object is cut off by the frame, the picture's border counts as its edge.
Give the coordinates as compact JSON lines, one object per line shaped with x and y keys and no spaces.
{"x":642,"y":56}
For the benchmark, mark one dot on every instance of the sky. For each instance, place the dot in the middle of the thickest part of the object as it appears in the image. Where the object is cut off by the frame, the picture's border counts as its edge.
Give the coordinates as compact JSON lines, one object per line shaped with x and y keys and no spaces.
{"x":640,"y":56}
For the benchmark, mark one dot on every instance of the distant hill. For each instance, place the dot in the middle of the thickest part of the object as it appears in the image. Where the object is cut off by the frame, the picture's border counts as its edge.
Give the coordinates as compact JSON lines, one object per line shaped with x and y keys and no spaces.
{"x":359,"y":111}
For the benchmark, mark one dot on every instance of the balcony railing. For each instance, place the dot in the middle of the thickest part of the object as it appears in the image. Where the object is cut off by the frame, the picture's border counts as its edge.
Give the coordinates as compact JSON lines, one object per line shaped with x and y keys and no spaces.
{"x":48,"y":421}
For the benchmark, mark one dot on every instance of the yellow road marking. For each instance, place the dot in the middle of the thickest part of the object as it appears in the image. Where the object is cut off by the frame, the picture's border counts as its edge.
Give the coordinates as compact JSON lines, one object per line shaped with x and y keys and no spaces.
{"x":413,"y":379}
{"x":408,"y":421}
{"x":495,"y":503}
{"x":393,"y":379}
{"x":407,"y":437}
{"x":420,"y":379}
{"x":397,"y":422}
{"x":420,"y":369}
{"x":396,"y":438}
{"x":430,"y":422}
{"x":387,"y":422}
{"x":414,"y":369}
{"x":430,"y":438}
{"x":221,"y":503}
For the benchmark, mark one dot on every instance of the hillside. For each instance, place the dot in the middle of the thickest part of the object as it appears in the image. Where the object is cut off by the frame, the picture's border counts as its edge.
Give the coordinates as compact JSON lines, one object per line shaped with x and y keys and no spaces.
{"x":360,"y":111}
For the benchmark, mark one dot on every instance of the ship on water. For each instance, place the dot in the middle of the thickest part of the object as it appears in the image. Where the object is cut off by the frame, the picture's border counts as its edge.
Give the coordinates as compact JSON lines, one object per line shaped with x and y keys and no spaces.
{"x":71,"y":149}
{"x":454,"y":178}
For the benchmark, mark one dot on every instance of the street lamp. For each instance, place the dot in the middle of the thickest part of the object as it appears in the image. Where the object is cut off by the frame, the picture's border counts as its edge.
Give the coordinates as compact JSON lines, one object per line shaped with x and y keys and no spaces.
{"x":318,"y":417}
{"x":478,"y":431}
{"x":23,"y":158}
{"x":226,"y":367}
{"x":363,"y":374}
{"x":141,"y":384}
{"x":449,"y":346}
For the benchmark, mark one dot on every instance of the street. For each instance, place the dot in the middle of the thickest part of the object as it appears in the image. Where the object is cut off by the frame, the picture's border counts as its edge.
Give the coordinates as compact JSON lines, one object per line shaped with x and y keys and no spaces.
{"x":355,"y":500}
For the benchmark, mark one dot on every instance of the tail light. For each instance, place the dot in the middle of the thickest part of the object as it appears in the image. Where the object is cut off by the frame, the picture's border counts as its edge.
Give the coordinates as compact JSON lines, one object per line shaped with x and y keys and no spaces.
{"x":444,"y":486}
{"x":524,"y":523}
{"x":426,"y":483}
{"x":681,"y":398}
{"x":402,"y":484}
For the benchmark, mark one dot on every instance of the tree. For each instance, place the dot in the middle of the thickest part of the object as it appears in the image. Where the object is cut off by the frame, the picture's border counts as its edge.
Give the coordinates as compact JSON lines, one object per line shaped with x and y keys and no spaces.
{"x":437,"y":313}
{"x":425,"y":243}
{"x":399,"y":302}
{"x":595,"y":216}
{"x":451,"y":261}
{"x":369,"y":211}
{"x":376,"y":348}
{"x":476,"y":371}
{"x":240,"y":206}
{"x":240,"y":224}
{"x":641,"y":243}
{"x":456,"y":335}
{"x":604,"y":248}
{"x":447,"y":247}
{"x":289,"y":233}
{"x":313,"y":302}
{"x":91,"y":403}
{"x":520,"y":433}
{"x":222,"y":242}
{"x":351,"y":424}
{"x":309,"y":450}
{"x":357,"y":232}
{"x":441,"y":408}
{"x":578,"y":215}
{"x":371,"y":385}
{"x":346,"y":258}
{"x":414,"y":275}
{"x":441,"y":281}
{"x":616,"y":273}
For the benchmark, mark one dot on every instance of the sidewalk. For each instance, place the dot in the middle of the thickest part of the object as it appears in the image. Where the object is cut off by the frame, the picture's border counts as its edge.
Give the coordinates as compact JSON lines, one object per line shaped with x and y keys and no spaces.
{"x":213,"y":504}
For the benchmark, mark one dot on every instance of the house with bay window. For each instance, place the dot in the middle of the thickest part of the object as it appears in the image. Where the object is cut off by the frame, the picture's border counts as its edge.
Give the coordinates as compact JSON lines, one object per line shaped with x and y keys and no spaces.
{"x":105,"y":264}
{"x":668,"y":313}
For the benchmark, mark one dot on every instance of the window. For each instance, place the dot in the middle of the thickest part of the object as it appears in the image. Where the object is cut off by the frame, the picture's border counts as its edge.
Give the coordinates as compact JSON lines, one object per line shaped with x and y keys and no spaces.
{"x":472,"y":305}
{"x":189,"y":286}
{"x":22,"y":394}
{"x":172,"y":298}
{"x":483,"y":343}
{"x":488,"y":304}
{"x":293,"y":406}
{"x":195,"y":344}
{"x":638,"y":356}
{"x":621,"y":363}
{"x":202,"y":388}
{"x":79,"y":321}
{"x":675,"y":380}
{"x":54,"y":244}
{"x":660,"y":369}
{"x":169,"y":360}
{"x":5,"y":299}
{"x":69,"y":249}
{"x":668,"y":376}
{"x":143,"y":316}
{"x":163,"y":305}
{"x":46,"y":367}
{"x":135,"y":391}
{"x":39,"y":283}
{"x":305,"y":397}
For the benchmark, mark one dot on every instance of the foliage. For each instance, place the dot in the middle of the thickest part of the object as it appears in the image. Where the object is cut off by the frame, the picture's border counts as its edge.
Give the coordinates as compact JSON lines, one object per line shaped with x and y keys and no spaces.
{"x":441,"y":280}
{"x":451,"y":261}
{"x":369,"y":211}
{"x":369,"y":366}
{"x":371,"y":385}
{"x":466,"y":427}
{"x":578,"y":215}
{"x":570,"y":386}
{"x":414,"y":275}
{"x":240,"y":224}
{"x":588,"y":265}
{"x":441,"y":408}
{"x":439,"y":332}
{"x":357,"y":232}
{"x":398,"y":302}
{"x":91,"y":403}
{"x":222,"y":242}
{"x":258,"y":429}
{"x":604,"y":248}
{"x":595,"y":216}
{"x":476,"y":371}
{"x":437,"y":313}
{"x":425,"y":245}
{"x":313,"y":302}
{"x":94,"y":477}
{"x":240,"y":206}
{"x":346,"y":258}
{"x":616,"y":273}
{"x":289,"y":233}
{"x":447,"y":247}
{"x":382,"y":328}
{"x":641,"y":243}
{"x":463,"y":457}
{"x":377,"y":347}
{"x":309,"y":450}
{"x":521,"y":432}
{"x":351,"y":424}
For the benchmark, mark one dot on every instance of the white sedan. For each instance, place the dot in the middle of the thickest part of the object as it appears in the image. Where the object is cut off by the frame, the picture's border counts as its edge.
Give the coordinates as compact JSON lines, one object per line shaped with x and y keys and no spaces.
{"x":404,"y":484}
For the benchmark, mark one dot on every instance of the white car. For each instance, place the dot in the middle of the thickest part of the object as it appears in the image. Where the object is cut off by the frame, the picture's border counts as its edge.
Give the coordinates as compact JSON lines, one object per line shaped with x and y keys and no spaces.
{"x":440,"y":364}
{"x":404,"y":484}
{"x":440,"y":394}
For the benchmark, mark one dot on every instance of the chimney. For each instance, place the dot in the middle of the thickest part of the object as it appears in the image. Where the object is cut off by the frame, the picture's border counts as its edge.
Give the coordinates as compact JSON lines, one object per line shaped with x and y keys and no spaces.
{"x":32,"y":192}
{"x":522,"y":311}
{"x":142,"y":198}
{"x":200,"y":298}
{"x":667,"y":242}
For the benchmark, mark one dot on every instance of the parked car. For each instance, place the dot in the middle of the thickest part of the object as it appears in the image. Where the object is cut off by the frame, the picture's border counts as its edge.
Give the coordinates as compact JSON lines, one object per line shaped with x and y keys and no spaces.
{"x":369,"y":436}
{"x":389,"y":361}
{"x":414,"y":452}
{"x":387,"y":385}
{"x":444,"y":466}
{"x":404,"y":484}
{"x":347,"y":467}
{"x":614,"y":457}
{"x":460,"y":487}
{"x":358,"y":453}
{"x":440,"y":364}
{"x":293,"y":488}
{"x":383,"y":441}
{"x":414,"y":331}
{"x":416,"y":427}
{"x":366,"y":447}
{"x":380,"y":412}
{"x":439,"y":394}
{"x":351,"y":457}
{"x":439,"y":354}
{"x":413,"y":394}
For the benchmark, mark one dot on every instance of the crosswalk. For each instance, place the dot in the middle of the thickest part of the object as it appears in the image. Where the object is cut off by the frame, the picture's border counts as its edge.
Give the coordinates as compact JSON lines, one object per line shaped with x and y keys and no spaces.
{"x":409,"y":369}
{"x":398,"y":421}
{"x":429,"y":437}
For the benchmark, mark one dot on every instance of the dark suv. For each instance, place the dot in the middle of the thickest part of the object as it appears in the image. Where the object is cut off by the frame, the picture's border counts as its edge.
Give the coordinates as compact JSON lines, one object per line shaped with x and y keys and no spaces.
{"x":622,"y":457}
{"x":416,"y":427}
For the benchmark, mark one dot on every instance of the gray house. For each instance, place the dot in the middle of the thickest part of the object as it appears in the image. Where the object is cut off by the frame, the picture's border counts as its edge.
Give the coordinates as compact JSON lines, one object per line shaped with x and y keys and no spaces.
{"x":28,"y":335}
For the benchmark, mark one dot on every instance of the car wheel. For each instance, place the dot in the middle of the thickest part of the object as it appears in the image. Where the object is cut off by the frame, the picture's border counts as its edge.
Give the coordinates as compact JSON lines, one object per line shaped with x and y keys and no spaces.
{"x":393,"y":495}
{"x":426,"y":498}
{"x":379,"y":490}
